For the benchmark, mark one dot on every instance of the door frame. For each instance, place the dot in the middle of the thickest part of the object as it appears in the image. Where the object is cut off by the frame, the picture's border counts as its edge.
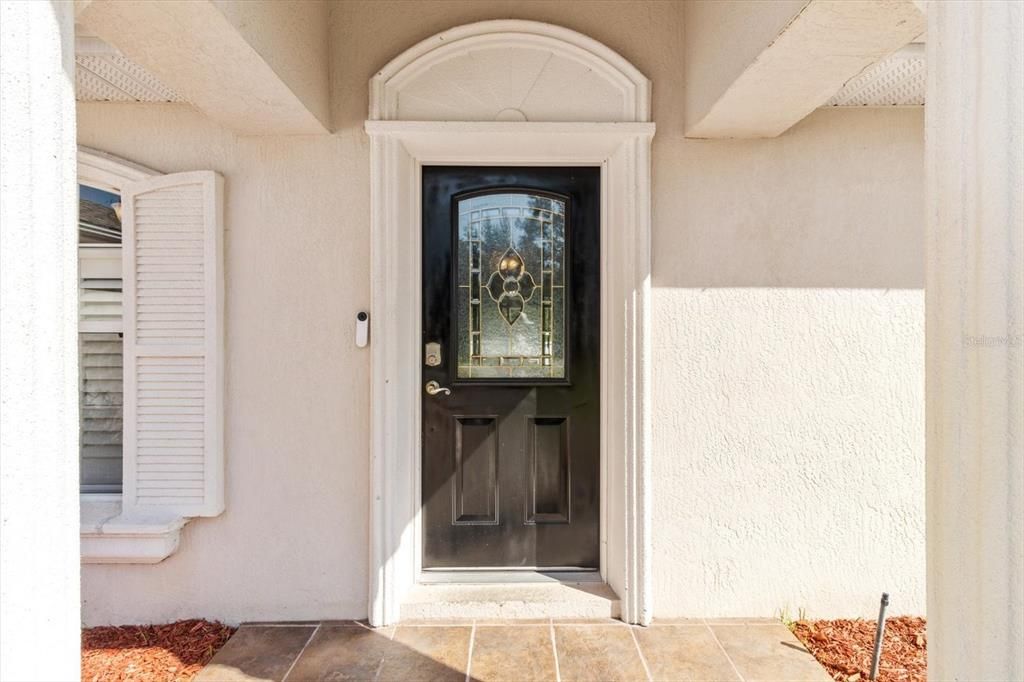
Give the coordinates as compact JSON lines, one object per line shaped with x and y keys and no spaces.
{"x":398,"y":151}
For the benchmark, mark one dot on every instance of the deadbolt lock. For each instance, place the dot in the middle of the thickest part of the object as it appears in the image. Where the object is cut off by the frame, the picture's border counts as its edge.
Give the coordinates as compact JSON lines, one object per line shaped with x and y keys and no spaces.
{"x":432,"y":354}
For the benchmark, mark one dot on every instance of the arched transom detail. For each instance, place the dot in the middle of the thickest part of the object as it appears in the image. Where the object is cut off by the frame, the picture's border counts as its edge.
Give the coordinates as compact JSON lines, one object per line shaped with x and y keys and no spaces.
{"x":510,"y":71}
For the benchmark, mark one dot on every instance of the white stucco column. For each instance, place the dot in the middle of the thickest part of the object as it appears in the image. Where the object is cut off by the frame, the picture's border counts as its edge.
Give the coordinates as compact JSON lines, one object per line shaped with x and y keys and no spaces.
{"x":39,"y":565}
{"x":975,"y":348}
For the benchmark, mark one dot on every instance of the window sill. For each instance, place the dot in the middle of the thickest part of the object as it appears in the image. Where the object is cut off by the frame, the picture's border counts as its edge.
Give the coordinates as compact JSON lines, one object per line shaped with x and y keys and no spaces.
{"x":110,"y":537}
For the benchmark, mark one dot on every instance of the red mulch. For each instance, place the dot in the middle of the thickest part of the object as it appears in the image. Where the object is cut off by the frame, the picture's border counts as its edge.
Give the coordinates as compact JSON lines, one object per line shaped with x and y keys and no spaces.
{"x":844,"y":647}
{"x":150,"y":653}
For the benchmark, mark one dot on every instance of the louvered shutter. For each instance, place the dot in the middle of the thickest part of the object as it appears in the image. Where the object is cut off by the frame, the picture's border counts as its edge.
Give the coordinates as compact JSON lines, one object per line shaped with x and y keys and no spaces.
{"x":174,"y":344}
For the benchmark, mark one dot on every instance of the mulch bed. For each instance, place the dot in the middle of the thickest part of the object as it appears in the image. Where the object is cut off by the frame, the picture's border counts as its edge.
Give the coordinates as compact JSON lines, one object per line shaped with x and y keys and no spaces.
{"x":844,"y":647}
{"x":152,"y":653}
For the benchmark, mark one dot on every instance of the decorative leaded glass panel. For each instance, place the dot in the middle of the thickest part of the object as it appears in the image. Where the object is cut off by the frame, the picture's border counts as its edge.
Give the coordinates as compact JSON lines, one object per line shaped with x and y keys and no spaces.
{"x":510,"y":300}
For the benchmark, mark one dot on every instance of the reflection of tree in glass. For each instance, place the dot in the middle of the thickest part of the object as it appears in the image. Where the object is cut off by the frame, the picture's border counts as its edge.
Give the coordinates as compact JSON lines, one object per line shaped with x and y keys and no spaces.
{"x":496,"y":236}
{"x":544,"y":208}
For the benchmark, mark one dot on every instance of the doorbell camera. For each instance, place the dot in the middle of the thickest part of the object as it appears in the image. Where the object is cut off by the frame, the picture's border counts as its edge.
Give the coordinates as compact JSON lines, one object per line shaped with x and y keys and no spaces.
{"x":362,"y":329}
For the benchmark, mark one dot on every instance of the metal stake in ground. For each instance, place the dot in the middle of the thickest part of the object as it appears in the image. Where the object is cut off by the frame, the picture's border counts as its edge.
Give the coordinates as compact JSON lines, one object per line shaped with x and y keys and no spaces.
{"x":876,"y":657}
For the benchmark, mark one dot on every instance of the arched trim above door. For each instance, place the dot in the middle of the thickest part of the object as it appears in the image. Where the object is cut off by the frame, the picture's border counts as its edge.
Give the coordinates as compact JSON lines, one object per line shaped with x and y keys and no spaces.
{"x":509,"y":70}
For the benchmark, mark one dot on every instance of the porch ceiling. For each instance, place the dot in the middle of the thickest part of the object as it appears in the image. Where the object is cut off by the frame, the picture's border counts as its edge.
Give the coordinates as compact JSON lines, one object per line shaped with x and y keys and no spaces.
{"x":792,"y":59}
{"x":897,"y":80}
{"x":258,"y":68}
{"x":103,"y":74}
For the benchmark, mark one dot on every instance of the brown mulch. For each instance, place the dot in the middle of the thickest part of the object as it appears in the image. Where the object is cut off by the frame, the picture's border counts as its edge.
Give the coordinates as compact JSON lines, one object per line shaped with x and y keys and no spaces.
{"x":844,"y":647}
{"x":155,"y":653}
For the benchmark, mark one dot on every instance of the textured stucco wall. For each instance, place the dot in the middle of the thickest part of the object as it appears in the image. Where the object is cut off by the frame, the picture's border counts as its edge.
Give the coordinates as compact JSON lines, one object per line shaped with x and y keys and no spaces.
{"x":292,"y":542}
{"x":39,"y":593}
{"x":789,"y":352}
{"x":788,"y":347}
{"x":788,"y":469}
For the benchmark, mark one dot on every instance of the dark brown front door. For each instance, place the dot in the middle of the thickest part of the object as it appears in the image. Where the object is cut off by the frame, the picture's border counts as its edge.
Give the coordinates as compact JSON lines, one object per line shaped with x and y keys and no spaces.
{"x":511,"y":327}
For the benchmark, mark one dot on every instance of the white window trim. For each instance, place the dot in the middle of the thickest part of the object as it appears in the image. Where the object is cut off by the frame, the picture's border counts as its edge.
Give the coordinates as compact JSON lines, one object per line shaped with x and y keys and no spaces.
{"x":108,"y":172}
{"x":106,"y":535}
{"x":398,"y":151}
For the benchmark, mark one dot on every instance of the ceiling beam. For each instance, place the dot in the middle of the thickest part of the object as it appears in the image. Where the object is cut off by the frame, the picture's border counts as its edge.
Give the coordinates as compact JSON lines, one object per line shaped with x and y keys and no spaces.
{"x":754,"y":69}
{"x":256,"y":68}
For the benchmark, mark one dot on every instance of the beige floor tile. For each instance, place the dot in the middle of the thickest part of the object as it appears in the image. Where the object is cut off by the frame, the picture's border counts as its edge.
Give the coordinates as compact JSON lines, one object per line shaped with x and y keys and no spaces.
{"x":512,"y":621}
{"x":513,"y":653}
{"x":257,"y":652}
{"x":427,"y":653}
{"x":768,"y":652}
{"x":342,"y":652}
{"x":597,"y":652}
{"x":684,"y":652}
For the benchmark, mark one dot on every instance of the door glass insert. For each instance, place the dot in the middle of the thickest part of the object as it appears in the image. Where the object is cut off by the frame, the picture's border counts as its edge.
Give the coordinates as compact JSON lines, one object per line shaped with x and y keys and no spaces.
{"x":510,"y":299}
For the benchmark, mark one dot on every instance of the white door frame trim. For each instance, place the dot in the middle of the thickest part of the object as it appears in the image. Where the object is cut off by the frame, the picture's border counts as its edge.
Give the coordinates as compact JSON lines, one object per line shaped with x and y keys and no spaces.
{"x":399,"y":149}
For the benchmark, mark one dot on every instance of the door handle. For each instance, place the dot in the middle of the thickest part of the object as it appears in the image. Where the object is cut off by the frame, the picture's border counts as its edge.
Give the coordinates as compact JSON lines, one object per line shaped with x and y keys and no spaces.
{"x":433,"y":388}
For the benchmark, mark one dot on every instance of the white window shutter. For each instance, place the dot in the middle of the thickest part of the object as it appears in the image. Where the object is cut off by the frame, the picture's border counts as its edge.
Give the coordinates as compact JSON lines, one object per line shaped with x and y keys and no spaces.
{"x":172,"y":231}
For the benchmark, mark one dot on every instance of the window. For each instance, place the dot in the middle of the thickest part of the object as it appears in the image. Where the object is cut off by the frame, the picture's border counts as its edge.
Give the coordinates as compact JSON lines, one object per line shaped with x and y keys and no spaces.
{"x":151,"y":349}
{"x":100,"y":340}
{"x":511,"y":286}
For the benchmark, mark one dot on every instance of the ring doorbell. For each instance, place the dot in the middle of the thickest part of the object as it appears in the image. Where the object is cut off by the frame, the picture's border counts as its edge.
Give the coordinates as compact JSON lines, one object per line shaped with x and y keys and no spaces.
{"x":362,"y":329}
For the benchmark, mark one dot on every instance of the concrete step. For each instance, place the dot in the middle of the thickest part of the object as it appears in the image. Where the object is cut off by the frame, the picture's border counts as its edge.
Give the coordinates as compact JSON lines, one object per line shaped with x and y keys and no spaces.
{"x":510,"y":601}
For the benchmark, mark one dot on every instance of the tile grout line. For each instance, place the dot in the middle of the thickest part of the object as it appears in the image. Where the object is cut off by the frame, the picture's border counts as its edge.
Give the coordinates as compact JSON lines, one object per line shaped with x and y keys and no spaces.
{"x":469,"y":658}
{"x":384,"y":656}
{"x":554,"y":651}
{"x":724,"y":652}
{"x":302,"y":651}
{"x":643,"y":659}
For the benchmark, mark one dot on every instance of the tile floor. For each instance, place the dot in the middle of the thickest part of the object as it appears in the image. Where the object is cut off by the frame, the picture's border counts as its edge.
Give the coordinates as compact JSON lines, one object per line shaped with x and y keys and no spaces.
{"x":517,"y":651}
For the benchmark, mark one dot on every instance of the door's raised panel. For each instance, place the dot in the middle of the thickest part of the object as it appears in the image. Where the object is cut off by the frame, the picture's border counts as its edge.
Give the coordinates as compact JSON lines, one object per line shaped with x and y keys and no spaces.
{"x":547,"y":499}
{"x":475,"y":484}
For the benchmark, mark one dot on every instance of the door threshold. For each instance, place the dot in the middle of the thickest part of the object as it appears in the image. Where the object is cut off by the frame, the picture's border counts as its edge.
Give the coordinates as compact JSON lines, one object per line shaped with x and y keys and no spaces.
{"x":493,"y":576}
{"x":452,"y":602}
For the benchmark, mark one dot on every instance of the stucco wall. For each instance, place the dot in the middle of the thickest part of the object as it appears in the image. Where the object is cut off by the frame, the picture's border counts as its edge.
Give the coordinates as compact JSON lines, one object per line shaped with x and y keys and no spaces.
{"x":789,"y":353}
{"x":39,"y":590}
{"x":292,"y":542}
{"x":788,"y":342}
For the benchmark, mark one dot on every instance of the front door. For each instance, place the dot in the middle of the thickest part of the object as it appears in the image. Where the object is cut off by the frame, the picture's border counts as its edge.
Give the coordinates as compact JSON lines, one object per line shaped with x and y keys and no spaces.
{"x":510,"y":359}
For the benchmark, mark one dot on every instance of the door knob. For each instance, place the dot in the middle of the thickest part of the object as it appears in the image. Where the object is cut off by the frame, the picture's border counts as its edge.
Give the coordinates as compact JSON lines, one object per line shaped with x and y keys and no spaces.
{"x":433,"y":388}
